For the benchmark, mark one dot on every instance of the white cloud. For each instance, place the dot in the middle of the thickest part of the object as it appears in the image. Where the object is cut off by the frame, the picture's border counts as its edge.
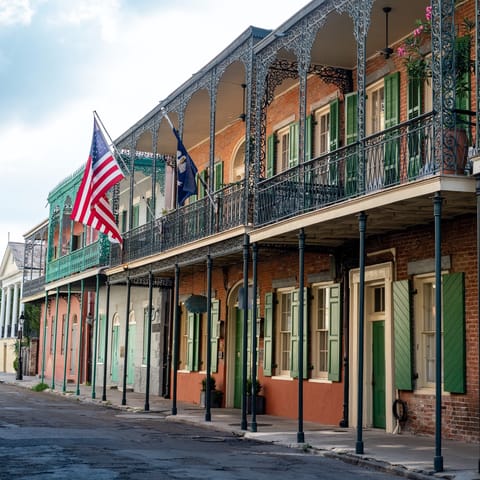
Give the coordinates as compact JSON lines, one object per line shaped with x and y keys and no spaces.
{"x":14,"y":12}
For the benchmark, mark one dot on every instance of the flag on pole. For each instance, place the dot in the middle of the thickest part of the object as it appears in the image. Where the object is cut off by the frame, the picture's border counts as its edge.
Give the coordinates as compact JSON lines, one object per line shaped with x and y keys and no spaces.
{"x":102,"y":172}
{"x":186,"y":172}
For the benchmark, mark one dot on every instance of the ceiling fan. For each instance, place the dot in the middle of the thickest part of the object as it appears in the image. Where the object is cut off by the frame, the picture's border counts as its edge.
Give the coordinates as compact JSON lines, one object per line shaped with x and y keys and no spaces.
{"x":387,"y":51}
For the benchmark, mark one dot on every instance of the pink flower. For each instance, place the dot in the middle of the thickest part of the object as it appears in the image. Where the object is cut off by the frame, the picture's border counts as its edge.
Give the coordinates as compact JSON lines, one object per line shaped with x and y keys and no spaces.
{"x":428,"y":13}
{"x":401,"y":51}
{"x":418,"y":31}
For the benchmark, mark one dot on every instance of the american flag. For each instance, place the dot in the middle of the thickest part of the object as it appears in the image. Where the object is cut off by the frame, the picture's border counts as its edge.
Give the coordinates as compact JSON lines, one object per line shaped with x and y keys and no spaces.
{"x":102,"y":172}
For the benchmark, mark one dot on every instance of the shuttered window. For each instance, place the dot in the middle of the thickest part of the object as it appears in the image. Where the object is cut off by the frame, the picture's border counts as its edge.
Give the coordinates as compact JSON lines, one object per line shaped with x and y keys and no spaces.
{"x":392,"y":118}
{"x":270,"y":170}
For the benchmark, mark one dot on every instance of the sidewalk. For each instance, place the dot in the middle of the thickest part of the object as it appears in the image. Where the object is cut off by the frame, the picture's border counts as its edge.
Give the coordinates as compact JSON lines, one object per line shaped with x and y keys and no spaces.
{"x":407,"y":455}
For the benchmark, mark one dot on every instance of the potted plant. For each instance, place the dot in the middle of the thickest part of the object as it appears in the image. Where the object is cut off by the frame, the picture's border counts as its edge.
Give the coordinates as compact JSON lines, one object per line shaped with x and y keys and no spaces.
{"x":418,"y":67}
{"x":259,"y":399}
{"x":215,"y":395}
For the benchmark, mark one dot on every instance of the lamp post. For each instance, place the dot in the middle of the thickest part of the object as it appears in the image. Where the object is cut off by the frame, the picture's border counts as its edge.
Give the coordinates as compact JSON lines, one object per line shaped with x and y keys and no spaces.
{"x":21,"y":320}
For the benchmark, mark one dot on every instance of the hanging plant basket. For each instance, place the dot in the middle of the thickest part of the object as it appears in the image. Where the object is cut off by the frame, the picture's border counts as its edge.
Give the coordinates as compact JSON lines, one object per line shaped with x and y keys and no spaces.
{"x":196,"y":303}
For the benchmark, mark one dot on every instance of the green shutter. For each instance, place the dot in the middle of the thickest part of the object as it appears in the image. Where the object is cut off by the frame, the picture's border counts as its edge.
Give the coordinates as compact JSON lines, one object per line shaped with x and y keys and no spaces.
{"x":463,"y":86}
{"x":293,"y":145}
{"x":392,"y":117}
{"x":124,"y":221}
{"x":268,"y":335}
{"x":351,"y":134}
{"x":454,"y":332}
{"x":218,"y":176}
{"x":215,"y":314}
{"x":414,"y":108}
{"x":334,"y":335}
{"x":136,"y":215}
{"x":190,"y":341}
{"x":201,"y":185}
{"x":308,"y":138}
{"x":402,"y":332}
{"x":101,"y":337}
{"x":294,"y":337}
{"x":334,"y":125}
{"x":271,"y":155}
{"x":334,"y":143}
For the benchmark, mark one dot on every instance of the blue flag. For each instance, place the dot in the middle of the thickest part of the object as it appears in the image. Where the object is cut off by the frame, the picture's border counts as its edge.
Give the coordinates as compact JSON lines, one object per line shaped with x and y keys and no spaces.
{"x":186,"y":173}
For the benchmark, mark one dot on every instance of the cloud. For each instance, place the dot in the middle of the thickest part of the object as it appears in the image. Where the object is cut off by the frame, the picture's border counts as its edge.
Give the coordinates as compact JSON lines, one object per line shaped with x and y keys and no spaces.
{"x":15,"y":12}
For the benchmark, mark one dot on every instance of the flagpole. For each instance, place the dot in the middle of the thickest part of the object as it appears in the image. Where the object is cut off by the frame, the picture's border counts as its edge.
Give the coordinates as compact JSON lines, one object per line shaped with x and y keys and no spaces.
{"x":202,"y":181}
{"x":95,"y":114}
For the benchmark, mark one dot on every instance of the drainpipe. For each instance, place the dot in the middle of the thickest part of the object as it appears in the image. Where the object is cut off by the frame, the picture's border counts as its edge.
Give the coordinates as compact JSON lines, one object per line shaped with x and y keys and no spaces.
{"x":208,"y":414}
{"x":176,"y":340}
{"x":301,"y":306}
{"x":149,"y":341}
{"x":253,"y":393}
{"x":346,"y":342}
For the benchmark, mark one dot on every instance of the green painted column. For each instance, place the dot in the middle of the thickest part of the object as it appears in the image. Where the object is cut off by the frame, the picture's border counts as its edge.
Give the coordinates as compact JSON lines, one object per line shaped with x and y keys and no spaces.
{"x":65,"y":343}
{"x":55,"y":338}
{"x":44,"y":337}
{"x":95,"y":339}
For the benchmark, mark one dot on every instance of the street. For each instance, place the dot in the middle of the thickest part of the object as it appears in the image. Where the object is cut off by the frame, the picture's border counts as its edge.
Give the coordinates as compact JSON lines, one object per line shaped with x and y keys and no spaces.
{"x":47,"y":436}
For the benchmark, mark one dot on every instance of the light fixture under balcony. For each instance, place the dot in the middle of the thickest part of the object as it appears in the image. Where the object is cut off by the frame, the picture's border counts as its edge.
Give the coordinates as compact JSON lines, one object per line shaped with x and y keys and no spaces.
{"x":387,"y":51}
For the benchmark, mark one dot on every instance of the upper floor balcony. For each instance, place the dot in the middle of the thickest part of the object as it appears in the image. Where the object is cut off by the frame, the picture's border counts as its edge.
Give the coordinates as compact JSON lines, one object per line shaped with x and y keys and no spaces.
{"x":197,"y":220}
{"x":396,"y":156}
{"x":93,"y":255}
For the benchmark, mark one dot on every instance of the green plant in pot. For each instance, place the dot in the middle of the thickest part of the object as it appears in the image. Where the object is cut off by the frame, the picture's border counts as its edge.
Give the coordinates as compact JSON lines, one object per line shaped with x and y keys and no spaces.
{"x":215,"y":395}
{"x":259,"y":399}
{"x":418,"y":68}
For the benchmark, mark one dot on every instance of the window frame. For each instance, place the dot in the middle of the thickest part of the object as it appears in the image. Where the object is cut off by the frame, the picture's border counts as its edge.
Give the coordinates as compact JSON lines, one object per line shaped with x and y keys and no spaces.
{"x":375,"y":113}
{"x":320,"y":114}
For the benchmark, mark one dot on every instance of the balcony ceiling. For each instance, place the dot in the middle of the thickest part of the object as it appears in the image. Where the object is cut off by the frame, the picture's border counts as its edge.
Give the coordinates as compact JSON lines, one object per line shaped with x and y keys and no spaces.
{"x":334,"y":45}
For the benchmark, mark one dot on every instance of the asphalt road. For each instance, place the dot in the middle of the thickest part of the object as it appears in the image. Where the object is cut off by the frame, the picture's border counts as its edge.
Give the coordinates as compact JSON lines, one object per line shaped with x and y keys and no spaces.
{"x":46,"y":436}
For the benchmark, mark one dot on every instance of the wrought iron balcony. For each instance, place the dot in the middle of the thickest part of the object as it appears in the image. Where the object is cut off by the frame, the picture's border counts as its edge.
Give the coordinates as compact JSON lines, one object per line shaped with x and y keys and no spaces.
{"x":33,"y":286}
{"x":94,"y":255}
{"x":184,"y":225}
{"x":398,"y":155}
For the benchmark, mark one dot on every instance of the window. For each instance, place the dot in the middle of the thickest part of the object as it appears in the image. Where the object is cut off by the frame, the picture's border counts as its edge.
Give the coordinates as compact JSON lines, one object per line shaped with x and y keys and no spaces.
{"x":285,"y":333}
{"x":62,"y":346}
{"x":322,"y":131}
{"x":101,"y":338}
{"x":375,"y":108}
{"x":321,"y":333}
{"x":145,"y":336}
{"x":51,"y":334}
{"x":425,"y":344}
{"x":283,"y":150}
{"x":136,"y":215}
{"x":320,"y":326}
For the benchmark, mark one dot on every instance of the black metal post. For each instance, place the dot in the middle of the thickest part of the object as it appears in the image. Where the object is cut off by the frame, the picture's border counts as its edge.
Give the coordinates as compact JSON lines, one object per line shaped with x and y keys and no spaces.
{"x":362,"y":224}
{"x":253,"y":393}
{"x":95,"y":341}
{"x":149,"y":341}
{"x":246,"y":245}
{"x":19,"y":336}
{"x":176,"y":340}
{"x":301,"y":306}
{"x":437,"y":207}
{"x":208,"y":414}
{"x":346,"y":342}
{"x":105,"y":352}
{"x":125,"y":356}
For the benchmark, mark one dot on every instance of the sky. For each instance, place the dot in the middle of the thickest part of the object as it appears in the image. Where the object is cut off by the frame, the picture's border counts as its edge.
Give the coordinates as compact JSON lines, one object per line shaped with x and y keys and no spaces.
{"x":62,"y":59}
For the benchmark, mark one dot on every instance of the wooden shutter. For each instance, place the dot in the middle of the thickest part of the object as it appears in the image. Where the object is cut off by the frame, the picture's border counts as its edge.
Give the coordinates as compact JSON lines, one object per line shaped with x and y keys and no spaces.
{"x":268,"y":335}
{"x":414,"y":109}
{"x":454,"y":364}
{"x":293,"y":145}
{"x":200,"y":185}
{"x":351,"y":134}
{"x":334,"y":125}
{"x":392,"y":117}
{"x":294,"y":337}
{"x":218,"y":176}
{"x":135,"y":215}
{"x":215,"y":317}
{"x":334,"y":143}
{"x":271,"y":155}
{"x":402,"y":331}
{"x":308,"y":138}
{"x":334,"y":335}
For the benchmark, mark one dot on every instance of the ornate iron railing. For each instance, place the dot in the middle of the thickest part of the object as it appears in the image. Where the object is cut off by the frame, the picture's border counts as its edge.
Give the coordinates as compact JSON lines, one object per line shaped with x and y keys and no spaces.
{"x":93,"y":255}
{"x":184,"y":225}
{"x":398,"y":155}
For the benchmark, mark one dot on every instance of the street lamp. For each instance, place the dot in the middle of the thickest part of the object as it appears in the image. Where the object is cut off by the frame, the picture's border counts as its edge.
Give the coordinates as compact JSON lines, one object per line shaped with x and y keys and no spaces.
{"x":21,"y":320}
